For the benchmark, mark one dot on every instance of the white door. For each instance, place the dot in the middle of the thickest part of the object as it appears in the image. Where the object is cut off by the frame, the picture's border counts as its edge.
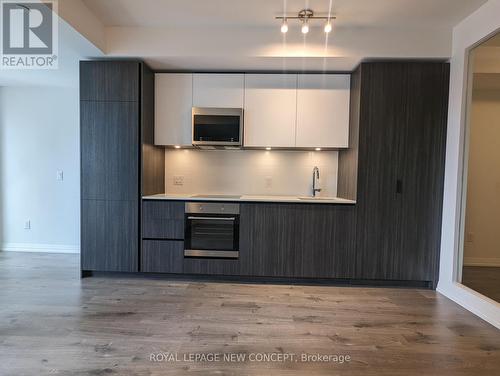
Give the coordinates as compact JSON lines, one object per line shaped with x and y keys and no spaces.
{"x":323,"y":110}
{"x":270,"y":109}
{"x":173,"y":103}
{"x":218,"y":90}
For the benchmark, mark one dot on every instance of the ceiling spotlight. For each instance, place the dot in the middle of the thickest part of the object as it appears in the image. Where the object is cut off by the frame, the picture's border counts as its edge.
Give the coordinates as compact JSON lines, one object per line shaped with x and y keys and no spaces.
{"x":318,"y":149}
{"x":328,"y":27}
{"x":177,"y":147}
{"x":284,"y":26}
{"x":268,"y":148}
{"x":304,"y":16}
{"x":305,"y":27}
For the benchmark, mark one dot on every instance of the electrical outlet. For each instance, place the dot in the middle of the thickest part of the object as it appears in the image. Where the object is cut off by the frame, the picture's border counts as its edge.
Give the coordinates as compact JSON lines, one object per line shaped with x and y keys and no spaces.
{"x":178,"y":180}
{"x":27,"y":225}
{"x":60,"y":175}
{"x":269,"y":181}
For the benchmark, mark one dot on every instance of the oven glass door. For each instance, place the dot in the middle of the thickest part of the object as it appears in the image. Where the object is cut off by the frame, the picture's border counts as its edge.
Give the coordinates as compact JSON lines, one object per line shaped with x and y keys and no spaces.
{"x":212,"y":232}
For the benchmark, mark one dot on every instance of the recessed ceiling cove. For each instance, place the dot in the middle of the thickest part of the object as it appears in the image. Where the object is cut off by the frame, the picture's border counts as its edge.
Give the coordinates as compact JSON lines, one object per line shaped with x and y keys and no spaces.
{"x":245,"y":35}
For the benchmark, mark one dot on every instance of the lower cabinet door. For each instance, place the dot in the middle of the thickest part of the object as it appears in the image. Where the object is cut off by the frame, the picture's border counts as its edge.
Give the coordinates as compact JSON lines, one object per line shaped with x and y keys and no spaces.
{"x":110,"y":236}
{"x":297,"y":240}
{"x":162,"y":256}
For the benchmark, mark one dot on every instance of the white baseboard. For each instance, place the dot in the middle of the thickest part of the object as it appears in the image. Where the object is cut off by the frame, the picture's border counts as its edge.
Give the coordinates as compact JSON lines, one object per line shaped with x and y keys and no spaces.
{"x":34,"y":247}
{"x":471,"y":300}
{"x":481,"y":261}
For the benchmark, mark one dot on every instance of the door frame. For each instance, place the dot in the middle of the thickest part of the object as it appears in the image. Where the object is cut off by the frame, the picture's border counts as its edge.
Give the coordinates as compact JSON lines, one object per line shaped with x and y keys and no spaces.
{"x":464,"y":160}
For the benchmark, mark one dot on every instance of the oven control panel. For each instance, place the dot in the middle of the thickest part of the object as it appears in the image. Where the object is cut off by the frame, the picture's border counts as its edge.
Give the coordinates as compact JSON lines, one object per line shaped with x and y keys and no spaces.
{"x":211,"y":208}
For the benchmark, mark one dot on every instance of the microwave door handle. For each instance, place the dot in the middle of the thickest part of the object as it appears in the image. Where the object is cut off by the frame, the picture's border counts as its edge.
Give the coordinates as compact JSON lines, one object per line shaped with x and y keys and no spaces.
{"x":213,"y":218}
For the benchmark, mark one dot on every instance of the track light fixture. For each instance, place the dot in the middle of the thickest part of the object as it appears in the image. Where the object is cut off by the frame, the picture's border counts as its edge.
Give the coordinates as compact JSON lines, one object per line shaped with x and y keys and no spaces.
{"x":284,"y":26}
{"x":305,"y":27}
{"x":328,"y":27}
{"x":304,"y":16}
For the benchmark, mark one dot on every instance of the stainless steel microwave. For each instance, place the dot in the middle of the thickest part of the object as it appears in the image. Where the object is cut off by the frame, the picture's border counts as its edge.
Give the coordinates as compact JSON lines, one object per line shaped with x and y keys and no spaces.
{"x":217,"y":126}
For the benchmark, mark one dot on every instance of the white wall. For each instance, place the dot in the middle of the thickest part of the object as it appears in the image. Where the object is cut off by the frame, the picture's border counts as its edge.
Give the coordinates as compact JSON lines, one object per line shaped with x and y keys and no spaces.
{"x":482,"y":215}
{"x":39,"y":134}
{"x":248,"y":171}
{"x":474,"y":28}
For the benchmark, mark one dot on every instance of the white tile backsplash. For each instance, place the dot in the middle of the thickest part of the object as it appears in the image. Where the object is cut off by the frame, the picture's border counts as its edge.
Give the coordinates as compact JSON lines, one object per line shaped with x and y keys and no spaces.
{"x":248,"y":172}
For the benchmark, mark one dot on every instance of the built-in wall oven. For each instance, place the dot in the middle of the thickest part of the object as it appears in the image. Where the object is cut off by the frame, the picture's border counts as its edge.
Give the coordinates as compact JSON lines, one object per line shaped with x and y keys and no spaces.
{"x":212,"y":230}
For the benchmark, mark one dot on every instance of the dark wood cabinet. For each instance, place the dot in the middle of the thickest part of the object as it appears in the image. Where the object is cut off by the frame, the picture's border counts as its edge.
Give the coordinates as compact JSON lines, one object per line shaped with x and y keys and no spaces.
{"x":421,"y":171}
{"x":212,"y":266}
{"x":109,"y":150}
{"x":266,"y":239}
{"x":117,"y":81}
{"x":162,"y":256}
{"x":382,"y":116}
{"x":162,"y":219}
{"x":324,"y":241}
{"x":114,"y":136}
{"x":297,"y":240}
{"x":109,"y":235}
{"x":401,"y":120}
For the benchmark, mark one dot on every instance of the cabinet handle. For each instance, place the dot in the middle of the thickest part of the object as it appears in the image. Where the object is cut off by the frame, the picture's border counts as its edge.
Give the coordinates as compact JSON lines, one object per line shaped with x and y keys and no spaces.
{"x":399,"y":186}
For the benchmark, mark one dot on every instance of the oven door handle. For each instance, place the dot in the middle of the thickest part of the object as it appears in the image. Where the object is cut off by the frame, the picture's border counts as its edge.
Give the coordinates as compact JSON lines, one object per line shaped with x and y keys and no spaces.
{"x":213,"y":218}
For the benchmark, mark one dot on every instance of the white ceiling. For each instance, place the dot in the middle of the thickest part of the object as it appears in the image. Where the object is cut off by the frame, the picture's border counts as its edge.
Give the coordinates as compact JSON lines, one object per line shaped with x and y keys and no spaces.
{"x":260,"y":13}
{"x":234,"y":35}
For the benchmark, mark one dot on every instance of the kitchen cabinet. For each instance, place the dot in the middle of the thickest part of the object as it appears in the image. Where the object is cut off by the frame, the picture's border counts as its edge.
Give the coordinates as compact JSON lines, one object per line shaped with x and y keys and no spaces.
{"x":173,"y":105}
{"x":211,"y":266}
{"x":110,"y":148}
{"x":280,"y":110}
{"x":421,"y":170}
{"x":162,"y":219}
{"x":110,"y":81}
{"x":109,"y":235}
{"x":218,"y":90}
{"x":323,"y":110}
{"x":116,"y":100}
{"x":270,"y":110}
{"x":401,"y":111}
{"x":160,"y":256}
{"x":378,"y":201}
{"x":297,"y":240}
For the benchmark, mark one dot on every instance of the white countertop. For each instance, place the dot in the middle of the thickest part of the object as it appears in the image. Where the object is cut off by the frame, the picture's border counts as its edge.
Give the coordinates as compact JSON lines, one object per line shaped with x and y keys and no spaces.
{"x":250,"y":198}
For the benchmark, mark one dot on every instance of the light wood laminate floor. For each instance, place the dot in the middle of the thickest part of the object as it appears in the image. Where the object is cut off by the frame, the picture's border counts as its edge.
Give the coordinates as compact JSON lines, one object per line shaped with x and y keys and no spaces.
{"x":53,"y":323}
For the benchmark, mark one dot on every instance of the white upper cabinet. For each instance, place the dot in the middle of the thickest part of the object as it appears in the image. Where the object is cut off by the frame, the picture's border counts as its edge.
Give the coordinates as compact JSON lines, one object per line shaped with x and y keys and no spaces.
{"x":280,"y":110}
{"x":323,"y":110}
{"x":173,"y":103}
{"x":270,"y":110}
{"x":218,"y":90}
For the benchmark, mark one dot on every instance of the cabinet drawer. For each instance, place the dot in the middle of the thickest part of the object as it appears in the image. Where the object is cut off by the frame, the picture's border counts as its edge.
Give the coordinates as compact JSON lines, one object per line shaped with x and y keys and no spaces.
{"x":163,"y":220}
{"x":211,"y":266}
{"x":162,"y":256}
